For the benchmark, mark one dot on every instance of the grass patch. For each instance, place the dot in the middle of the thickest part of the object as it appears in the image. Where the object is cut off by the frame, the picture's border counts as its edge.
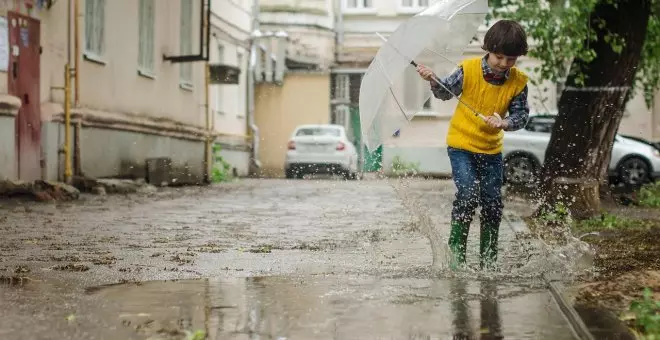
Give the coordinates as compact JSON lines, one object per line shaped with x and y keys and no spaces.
{"x":645,"y":314}
{"x":649,"y":195}
{"x":403,"y":168}
{"x":609,"y":222}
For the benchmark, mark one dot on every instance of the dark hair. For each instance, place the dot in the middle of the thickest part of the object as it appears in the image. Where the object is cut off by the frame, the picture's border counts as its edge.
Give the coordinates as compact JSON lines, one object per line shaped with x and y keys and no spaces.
{"x":506,"y":37}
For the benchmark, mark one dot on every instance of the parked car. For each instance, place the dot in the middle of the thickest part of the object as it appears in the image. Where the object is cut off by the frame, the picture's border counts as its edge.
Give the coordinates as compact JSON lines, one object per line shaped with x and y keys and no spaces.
{"x":320,"y":149}
{"x":632,"y":162}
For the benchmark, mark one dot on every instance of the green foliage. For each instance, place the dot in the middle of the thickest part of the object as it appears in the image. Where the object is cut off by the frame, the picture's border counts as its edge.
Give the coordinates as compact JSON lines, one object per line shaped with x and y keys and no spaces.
{"x":558,"y":214}
{"x":649,"y":195}
{"x":647,"y":316}
{"x":221,"y":171}
{"x":197,"y":335}
{"x":400,"y":167}
{"x":559,"y":29}
{"x":607,"y":221}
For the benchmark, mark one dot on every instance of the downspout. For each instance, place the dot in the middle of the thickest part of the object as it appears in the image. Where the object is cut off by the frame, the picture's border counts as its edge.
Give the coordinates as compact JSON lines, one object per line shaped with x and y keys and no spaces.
{"x":67,"y":102}
{"x":207,"y":144}
{"x":77,"y":157}
{"x":76,"y":69}
{"x":251,"y":83}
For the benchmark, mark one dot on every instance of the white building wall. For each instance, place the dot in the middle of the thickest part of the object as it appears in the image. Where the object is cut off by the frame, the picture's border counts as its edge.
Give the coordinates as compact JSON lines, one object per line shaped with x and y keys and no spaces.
{"x":231,"y":26}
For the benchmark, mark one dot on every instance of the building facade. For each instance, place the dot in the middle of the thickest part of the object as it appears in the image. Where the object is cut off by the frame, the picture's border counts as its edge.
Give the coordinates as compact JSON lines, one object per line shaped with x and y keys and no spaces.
{"x":295,"y":90}
{"x":130,"y":102}
{"x":231,"y":28}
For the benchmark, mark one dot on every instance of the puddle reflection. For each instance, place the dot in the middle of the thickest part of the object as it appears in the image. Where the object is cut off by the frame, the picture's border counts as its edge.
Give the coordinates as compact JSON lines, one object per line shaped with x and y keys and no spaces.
{"x":334,"y":308}
{"x":489,"y":316}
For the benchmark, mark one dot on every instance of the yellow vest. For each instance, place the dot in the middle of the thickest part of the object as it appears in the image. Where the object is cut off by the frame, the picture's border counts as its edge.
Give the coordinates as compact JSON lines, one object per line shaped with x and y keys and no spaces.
{"x":469,"y":132}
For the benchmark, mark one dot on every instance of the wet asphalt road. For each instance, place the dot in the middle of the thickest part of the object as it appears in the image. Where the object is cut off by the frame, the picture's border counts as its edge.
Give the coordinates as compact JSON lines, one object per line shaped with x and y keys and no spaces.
{"x":259,"y":259}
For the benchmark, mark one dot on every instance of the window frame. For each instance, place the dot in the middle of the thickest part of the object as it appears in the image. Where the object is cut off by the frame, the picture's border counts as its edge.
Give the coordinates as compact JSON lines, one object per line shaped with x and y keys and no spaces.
{"x":146,"y":38}
{"x":415,"y":7}
{"x":186,"y":10}
{"x":94,"y":48}
{"x":362,"y":7}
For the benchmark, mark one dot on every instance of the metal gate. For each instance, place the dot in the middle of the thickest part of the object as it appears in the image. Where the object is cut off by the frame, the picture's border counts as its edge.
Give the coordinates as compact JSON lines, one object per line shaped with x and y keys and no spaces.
{"x":23,"y":81}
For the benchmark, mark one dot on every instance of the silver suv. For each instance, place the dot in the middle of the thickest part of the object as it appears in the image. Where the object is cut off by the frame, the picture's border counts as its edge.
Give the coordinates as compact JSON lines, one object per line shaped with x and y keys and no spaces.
{"x":633,"y":162}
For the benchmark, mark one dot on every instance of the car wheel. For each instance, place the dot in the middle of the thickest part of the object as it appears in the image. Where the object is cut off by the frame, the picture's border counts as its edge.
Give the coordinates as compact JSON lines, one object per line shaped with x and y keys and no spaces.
{"x":634,"y":171}
{"x":520,"y":170}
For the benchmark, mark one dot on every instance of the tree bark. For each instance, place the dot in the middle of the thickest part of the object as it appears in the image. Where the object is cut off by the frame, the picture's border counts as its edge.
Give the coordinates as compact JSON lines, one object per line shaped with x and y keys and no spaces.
{"x":589,"y":115}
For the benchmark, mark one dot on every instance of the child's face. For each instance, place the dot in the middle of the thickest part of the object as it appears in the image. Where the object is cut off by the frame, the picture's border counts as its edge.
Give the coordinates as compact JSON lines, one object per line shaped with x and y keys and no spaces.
{"x":500,"y":63}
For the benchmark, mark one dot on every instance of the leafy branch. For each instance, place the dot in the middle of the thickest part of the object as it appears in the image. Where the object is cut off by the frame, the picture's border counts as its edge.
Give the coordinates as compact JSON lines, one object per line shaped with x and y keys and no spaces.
{"x":558,"y":30}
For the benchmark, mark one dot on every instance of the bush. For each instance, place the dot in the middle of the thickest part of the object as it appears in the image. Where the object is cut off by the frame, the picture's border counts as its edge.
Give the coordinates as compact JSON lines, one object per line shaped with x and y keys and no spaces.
{"x":647,"y":316}
{"x":400,"y":167}
{"x":649,"y":195}
{"x":221,"y":171}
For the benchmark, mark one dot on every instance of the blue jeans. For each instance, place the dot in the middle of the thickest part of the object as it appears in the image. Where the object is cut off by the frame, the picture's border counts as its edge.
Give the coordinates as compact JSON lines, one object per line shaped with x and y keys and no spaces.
{"x":478,"y":180}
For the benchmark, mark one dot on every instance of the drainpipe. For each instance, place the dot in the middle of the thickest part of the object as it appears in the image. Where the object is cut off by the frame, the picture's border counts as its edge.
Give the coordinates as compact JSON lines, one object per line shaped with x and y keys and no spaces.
{"x":207,"y":144}
{"x":76,"y":53}
{"x":251,"y":83}
{"x":67,"y":124}
{"x":67,"y":100}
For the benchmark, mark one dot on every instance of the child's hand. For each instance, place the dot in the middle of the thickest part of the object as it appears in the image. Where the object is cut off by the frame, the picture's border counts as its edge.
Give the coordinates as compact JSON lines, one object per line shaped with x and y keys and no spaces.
{"x":496,"y":122}
{"x":425,"y":72}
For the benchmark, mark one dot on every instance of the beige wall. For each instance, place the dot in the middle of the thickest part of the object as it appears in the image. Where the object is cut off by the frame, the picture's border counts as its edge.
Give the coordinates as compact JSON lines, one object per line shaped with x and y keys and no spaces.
{"x":304,"y":98}
{"x":114,"y":85}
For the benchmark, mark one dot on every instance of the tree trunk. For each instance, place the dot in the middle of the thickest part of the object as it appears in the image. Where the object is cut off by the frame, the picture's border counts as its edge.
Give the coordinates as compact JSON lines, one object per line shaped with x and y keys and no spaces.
{"x":589,"y":115}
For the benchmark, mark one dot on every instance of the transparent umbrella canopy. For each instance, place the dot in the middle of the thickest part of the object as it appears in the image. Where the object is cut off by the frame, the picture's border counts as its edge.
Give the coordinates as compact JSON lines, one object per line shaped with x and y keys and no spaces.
{"x":440,"y":33}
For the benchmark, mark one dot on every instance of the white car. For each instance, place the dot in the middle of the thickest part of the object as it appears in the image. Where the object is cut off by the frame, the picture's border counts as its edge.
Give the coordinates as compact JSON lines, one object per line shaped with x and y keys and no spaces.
{"x":632,"y":162}
{"x":320,"y":149}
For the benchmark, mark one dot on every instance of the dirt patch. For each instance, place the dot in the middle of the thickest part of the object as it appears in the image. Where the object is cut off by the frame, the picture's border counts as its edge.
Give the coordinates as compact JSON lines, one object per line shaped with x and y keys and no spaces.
{"x":627,"y":262}
{"x":624,"y":251}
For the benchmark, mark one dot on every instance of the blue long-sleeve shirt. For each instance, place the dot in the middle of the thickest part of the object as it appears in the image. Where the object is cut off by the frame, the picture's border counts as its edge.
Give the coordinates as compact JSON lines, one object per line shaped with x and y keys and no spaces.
{"x":518,"y":108}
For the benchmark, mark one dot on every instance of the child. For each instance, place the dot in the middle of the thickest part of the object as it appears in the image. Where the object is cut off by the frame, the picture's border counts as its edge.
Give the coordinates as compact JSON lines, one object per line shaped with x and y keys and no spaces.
{"x":491,"y":86}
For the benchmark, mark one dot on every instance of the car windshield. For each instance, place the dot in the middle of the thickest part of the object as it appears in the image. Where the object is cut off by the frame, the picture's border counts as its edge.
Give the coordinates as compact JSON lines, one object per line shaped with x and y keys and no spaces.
{"x":540,"y":124}
{"x":318,"y":131}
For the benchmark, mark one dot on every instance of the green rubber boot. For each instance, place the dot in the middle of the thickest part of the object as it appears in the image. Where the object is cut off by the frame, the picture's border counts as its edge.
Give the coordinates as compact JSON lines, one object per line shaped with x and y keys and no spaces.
{"x":458,"y":244}
{"x":488,"y":246}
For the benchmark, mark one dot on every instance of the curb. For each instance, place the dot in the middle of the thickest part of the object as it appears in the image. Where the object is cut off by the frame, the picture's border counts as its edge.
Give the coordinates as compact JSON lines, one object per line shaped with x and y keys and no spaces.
{"x":578,"y":327}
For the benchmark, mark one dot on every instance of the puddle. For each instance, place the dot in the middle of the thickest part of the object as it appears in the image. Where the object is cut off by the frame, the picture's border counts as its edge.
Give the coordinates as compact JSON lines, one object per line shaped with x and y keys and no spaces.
{"x":332,"y":308}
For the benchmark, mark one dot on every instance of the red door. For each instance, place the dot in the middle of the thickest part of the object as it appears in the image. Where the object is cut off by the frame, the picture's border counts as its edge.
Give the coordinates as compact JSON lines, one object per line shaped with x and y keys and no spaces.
{"x":23,"y":82}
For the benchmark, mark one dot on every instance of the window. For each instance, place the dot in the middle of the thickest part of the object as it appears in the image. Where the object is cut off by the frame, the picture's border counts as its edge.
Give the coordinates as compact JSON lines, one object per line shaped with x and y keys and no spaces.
{"x":542,"y":124}
{"x":185,"y":42}
{"x":146,"y":38}
{"x":359,"y":4}
{"x":319,"y":131}
{"x":94,"y":29}
{"x":219,"y":88}
{"x":241,"y":91}
{"x":414,"y":4}
{"x":427,"y":104}
{"x":414,"y":91}
{"x":342,"y":87}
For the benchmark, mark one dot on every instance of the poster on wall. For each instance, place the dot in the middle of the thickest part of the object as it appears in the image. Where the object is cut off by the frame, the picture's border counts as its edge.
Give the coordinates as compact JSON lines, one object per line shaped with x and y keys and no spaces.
{"x":4,"y":44}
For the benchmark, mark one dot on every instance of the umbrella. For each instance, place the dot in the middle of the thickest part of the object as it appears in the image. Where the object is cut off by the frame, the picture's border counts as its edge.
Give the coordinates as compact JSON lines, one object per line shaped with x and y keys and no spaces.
{"x":440,"y":34}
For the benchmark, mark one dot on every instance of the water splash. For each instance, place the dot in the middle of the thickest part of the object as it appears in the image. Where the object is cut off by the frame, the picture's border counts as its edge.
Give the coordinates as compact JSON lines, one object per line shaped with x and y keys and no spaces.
{"x":423,"y":224}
